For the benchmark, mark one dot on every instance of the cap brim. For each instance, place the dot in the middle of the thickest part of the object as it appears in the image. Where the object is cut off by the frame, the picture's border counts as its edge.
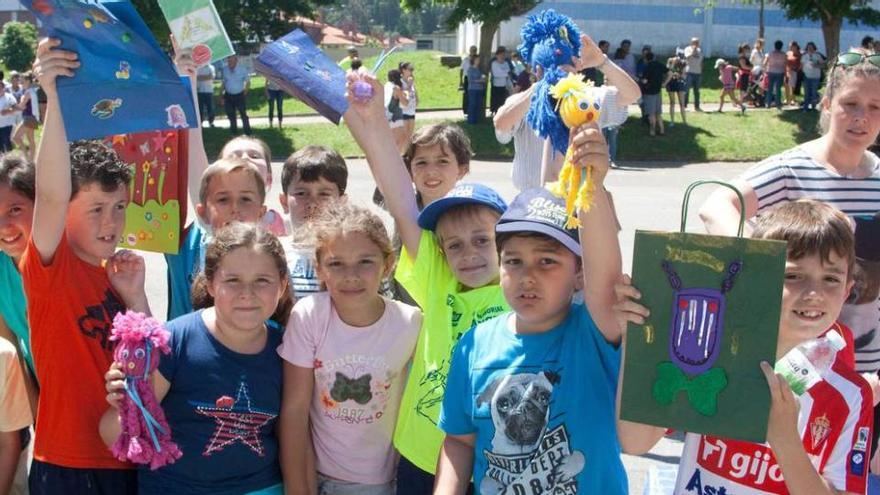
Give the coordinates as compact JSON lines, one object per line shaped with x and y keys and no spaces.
{"x":541,"y":228}
{"x":431,"y":214}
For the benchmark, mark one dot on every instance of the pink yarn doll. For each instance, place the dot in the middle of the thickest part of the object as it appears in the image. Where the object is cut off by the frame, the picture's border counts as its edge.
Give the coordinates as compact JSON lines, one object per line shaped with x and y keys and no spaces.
{"x":145,"y":437}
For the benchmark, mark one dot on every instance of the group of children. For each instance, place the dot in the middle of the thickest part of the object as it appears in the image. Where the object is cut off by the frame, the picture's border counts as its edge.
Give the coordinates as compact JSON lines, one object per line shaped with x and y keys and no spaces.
{"x":503,"y":380}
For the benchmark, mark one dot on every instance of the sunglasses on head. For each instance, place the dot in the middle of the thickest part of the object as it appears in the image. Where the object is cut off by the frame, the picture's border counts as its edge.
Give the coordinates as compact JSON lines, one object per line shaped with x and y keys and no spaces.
{"x":854,"y":58}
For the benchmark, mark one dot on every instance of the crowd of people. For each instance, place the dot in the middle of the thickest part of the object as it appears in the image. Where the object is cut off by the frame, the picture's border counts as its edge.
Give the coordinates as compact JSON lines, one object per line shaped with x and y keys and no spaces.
{"x":490,"y":365}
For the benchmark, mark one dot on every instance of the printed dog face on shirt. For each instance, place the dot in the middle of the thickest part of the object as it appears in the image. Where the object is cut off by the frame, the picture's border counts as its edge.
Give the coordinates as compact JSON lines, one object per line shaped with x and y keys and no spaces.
{"x":520,"y":406}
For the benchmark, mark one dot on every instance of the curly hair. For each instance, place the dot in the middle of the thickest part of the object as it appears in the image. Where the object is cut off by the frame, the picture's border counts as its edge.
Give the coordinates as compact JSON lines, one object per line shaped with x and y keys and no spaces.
{"x":342,"y":217}
{"x":249,"y":236}
{"x":18,"y":174}
{"x":93,"y":162}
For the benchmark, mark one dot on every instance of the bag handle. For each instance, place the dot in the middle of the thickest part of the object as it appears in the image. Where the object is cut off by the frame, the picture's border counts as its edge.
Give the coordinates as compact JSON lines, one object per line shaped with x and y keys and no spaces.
{"x":694,"y":185}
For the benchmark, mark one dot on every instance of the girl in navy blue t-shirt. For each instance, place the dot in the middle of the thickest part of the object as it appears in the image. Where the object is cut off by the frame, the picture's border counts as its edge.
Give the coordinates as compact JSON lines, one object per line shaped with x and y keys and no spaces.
{"x":220,"y":386}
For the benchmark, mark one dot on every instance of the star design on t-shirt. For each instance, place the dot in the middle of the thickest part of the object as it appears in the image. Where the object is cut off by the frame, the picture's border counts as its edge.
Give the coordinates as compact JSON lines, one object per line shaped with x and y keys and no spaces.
{"x":236,"y":420}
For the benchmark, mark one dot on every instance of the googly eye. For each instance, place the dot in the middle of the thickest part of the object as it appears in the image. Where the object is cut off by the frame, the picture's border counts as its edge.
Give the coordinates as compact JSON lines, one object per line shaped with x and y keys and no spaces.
{"x":139,"y":354}
{"x":583,"y":105}
{"x":596,"y":106}
{"x":124,"y":354}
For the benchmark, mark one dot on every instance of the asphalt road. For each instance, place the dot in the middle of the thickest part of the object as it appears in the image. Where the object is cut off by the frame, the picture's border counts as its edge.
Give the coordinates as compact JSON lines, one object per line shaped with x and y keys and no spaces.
{"x":647,"y":196}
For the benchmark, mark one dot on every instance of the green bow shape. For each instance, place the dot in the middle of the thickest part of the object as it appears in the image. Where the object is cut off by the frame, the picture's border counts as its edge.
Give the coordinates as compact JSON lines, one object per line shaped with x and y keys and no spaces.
{"x":702,"y":390}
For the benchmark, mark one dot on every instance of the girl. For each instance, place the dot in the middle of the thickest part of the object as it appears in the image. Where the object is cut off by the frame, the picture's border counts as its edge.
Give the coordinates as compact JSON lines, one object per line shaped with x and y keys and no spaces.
{"x":346,"y":353}
{"x":676,"y":87}
{"x":256,"y":151}
{"x":409,"y":110}
{"x":220,"y":386}
{"x":437,"y":157}
{"x":23,"y":136}
{"x":728,"y":83}
{"x":396,"y":100}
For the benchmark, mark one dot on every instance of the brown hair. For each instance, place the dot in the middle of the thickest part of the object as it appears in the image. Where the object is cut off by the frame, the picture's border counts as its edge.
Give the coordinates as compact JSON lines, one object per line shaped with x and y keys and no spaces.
{"x":470,"y":211}
{"x":267,"y":153}
{"x":94,"y":162}
{"x":312,"y":163}
{"x":225,"y":166}
{"x":810,"y":227}
{"x":838,"y":78}
{"x":449,"y":136}
{"x":342,"y":217}
{"x":249,"y":236}
{"x":18,"y":173}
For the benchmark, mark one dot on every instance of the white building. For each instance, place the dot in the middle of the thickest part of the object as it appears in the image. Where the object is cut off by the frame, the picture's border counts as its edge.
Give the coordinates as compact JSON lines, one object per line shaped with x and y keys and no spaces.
{"x":12,"y":10}
{"x":667,"y":24}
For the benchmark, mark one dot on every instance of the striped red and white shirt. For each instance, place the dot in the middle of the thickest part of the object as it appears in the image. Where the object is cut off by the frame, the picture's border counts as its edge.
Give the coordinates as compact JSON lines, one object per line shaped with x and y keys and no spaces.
{"x":835,"y":421}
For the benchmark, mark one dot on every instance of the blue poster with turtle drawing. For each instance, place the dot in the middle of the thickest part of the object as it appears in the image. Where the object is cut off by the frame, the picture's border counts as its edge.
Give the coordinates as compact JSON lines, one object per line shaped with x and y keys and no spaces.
{"x":126,"y":83}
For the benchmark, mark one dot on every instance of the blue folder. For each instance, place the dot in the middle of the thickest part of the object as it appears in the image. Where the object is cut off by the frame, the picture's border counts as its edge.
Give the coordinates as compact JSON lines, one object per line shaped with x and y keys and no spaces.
{"x":126,"y":83}
{"x":299,"y":67}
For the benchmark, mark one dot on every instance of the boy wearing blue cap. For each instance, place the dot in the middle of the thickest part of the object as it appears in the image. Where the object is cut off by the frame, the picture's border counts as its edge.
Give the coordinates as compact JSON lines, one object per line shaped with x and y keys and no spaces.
{"x":531,"y":394}
{"x":448,"y":265}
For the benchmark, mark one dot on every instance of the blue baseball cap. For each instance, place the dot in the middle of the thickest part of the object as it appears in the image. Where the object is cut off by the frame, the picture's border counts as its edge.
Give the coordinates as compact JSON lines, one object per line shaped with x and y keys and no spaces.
{"x":538,"y":210}
{"x":463,"y":193}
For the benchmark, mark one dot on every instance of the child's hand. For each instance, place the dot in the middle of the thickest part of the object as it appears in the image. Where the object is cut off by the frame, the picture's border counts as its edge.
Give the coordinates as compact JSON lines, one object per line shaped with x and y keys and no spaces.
{"x":114,"y":382}
{"x":126,"y":271}
{"x":784,"y":406}
{"x":183,"y":61}
{"x":626,"y":309}
{"x":51,"y":63}
{"x":874,"y":382}
{"x":589,"y":149}
{"x":364,"y":113}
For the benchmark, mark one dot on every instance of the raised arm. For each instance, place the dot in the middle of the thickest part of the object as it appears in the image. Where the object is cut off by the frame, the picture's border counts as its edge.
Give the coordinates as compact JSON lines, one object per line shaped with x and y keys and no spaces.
{"x":53,"y":155}
{"x":513,"y":111}
{"x":721,"y":211}
{"x":628,"y":91}
{"x":368,"y":126}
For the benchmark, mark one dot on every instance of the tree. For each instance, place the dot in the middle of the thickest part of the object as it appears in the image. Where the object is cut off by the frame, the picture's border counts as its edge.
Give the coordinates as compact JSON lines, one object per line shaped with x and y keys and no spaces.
{"x":490,"y":13}
{"x":246,"y":21}
{"x":831,"y":14}
{"x":18,"y":45}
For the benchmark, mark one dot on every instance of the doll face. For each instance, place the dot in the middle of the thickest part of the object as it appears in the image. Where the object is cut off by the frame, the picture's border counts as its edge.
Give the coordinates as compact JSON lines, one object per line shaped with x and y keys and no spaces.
{"x":133,"y":358}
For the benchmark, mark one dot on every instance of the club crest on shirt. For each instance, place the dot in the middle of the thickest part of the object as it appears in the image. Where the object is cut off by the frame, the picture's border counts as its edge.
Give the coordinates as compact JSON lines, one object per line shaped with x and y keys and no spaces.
{"x":819,"y":429}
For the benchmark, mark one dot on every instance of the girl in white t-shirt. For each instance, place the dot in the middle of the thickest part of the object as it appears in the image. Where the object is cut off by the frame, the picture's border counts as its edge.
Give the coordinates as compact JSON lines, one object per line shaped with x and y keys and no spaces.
{"x":346,"y":351}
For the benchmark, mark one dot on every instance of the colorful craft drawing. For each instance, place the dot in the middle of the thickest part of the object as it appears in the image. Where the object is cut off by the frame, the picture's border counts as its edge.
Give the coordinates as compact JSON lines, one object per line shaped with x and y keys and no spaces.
{"x":197,"y":26}
{"x":176,"y":116}
{"x":113,"y":44}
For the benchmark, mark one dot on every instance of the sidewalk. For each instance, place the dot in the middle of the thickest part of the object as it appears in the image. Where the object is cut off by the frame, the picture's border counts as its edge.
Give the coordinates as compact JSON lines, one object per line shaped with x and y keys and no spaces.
{"x":263,"y":121}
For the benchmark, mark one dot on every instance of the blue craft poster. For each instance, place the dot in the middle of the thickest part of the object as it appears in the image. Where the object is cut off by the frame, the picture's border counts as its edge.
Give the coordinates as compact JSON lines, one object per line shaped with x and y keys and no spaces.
{"x":126,"y":83}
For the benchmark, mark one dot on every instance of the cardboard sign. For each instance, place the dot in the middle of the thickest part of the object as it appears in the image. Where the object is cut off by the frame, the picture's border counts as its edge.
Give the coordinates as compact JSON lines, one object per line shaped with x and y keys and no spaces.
{"x":157,"y":190}
{"x":197,"y":27}
{"x":695,"y":363}
{"x":301,"y":69}
{"x":126,"y":83}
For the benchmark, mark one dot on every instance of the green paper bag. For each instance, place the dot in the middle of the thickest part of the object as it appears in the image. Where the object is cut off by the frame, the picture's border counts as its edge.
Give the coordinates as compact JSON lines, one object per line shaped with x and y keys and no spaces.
{"x":715,"y":305}
{"x":197,"y":27}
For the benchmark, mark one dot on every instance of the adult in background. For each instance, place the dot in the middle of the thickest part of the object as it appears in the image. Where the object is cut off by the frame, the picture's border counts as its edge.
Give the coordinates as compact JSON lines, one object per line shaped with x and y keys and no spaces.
{"x":395,"y":100}
{"x":693,"y":57}
{"x":624,"y":59}
{"x":205,"y":92}
{"x":236,"y":82}
{"x":501,"y":70}
{"x":756,"y":58}
{"x":275,"y":97}
{"x":868,"y":43}
{"x":407,"y":77}
{"x":676,"y":86}
{"x":654,"y":76}
{"x":792,"y":68}
{"x":774,"y":65}
{"x":510,"y":124}
{"x":8,"y":114}
{"x":351,"y":55}
{"x":640,"y":75}
{"x":812,"y":63}
{"x":462,"y":78}
{"x":476,"y":90}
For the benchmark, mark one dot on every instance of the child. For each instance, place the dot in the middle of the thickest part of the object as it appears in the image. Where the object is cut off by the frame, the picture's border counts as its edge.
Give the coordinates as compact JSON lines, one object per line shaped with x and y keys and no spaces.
{"x":220,"y":386}
{"x":448,"y":266}
{"x":23,"y":136}
{"x":347,"y":353}
{"x":79,"y":216}
{"x":530,"y":397}
{"x":257,"y":152}
{"x":728,"y":82}
{"x":230,"y":190}
{"x":824,"y":446}
{"x":15,"y":418}
{"x":312,"y":178}
{"x":438,"y":156}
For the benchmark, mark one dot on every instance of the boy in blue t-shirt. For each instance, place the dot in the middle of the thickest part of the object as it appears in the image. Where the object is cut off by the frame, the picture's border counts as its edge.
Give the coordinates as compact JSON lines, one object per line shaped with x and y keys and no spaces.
{"x":530,"y":402}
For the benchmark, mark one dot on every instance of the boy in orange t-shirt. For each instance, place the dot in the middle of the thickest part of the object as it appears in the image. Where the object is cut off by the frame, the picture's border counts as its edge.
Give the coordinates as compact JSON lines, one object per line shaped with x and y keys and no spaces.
{"x":79,"y":215}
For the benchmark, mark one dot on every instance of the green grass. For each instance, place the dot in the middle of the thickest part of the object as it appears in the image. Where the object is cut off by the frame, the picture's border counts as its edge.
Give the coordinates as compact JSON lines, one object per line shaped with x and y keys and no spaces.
{"x":707,"y":137}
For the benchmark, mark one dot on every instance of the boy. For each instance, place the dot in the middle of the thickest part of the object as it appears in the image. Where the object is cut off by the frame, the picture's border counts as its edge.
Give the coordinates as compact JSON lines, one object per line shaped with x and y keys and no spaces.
{"x":449,"y":267}
{"x":79,"y":216}
{"x":311,"y":178}
{"x":530,"y":402}
{"x":822,"y":448}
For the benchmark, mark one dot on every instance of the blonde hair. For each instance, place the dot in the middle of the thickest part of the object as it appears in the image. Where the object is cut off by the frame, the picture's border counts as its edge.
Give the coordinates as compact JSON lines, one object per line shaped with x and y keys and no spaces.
{"x":342,"y":217}
{"x":226,"y":166}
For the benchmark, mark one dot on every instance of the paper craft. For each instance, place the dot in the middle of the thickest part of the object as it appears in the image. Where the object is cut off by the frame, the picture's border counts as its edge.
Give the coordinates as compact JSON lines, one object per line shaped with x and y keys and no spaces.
{"x":197,"y":27}
{"x":126,"y":83}
{"x":715,"y":304}
{"x":299,"y":67}
{"x":157,"y":190}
